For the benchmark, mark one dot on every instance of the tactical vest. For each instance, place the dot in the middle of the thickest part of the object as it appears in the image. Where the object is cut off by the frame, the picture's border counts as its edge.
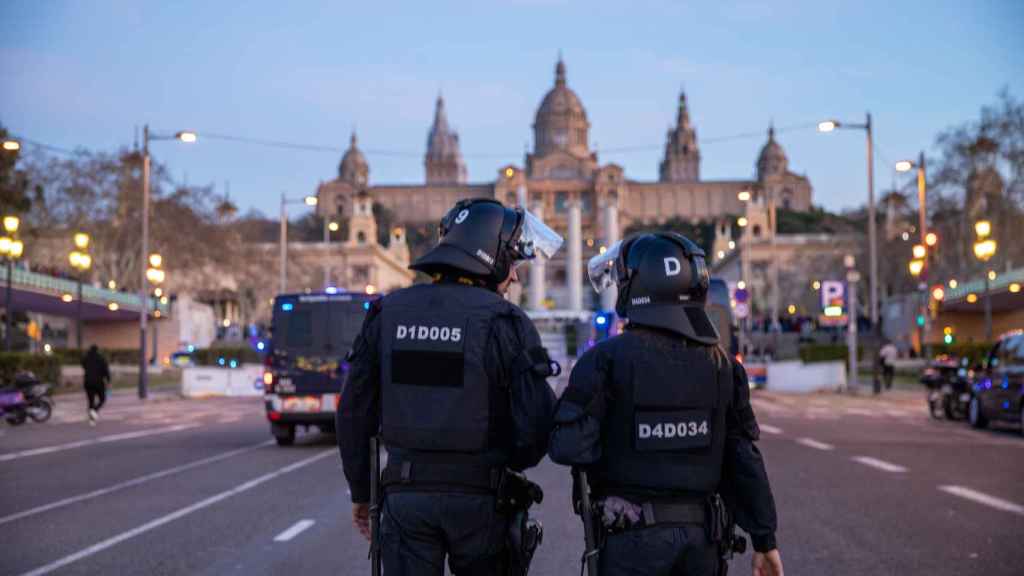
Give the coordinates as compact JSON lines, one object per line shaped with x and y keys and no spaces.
{"x":666,"y":426}
{"x":436,"y":394}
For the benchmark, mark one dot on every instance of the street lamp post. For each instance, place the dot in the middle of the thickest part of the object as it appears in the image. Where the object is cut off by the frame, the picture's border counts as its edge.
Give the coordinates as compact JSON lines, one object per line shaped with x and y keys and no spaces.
{"x":984,"y":250}
{"x":81,"y":262}
{"x":11,"y":249}
{"x":829,"y":126}
{"x":283,"y":255}
{"x":183,"y":136}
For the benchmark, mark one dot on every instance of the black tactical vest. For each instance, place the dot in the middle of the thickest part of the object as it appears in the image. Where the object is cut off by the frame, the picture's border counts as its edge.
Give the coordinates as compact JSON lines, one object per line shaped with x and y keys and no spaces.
{"x":436,"y":394}
{"x":665,"y":427}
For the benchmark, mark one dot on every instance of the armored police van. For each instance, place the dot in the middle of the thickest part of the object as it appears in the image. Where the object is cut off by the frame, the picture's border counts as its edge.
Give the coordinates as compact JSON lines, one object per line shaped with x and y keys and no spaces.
{"x":305,"y":365}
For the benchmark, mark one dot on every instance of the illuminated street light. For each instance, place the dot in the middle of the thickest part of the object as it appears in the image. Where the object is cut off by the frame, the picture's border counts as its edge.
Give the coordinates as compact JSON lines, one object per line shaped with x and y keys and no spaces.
{"x":5,"y":245}
{"x":904,"y":166}
{"x":938,"y":293}
{"x":983,"y":250}
{"x":333,"y":226}
{"x":744,"y":196}
{"x":953,"y":283}
{"x":915,"y":267}
{"x":741,"y":285}
{"x":156,"y":260}
{"x":791,"y":309}
{"x":371,"y":289}
{"x":991,"y":275}
{"x":919,"y":251}
{"x":187,"y":137}
{"x":17,"y":248}
{"x":742,"y":221}
{"x":112,"y":285}
{"x":509,"y":172}
{"x":732,"y":244}
{"x":11,"y":224}
{"x":1014,"y":288}
{"x":982,"y":228}
{"x":66,"y":298}
{"x":310,"y":200}
{"x":931,"y":239}
{"x":81,"y":240}
{"x":827,"y":126}
{"x":12,"y":145}
{"x":816,"y":285}
{"x":972,"y":298}
{"x":113,"y":307}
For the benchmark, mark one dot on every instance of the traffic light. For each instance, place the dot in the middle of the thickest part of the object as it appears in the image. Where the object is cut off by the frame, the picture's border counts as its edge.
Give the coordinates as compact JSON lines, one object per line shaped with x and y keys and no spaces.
{"x":920,"y":319}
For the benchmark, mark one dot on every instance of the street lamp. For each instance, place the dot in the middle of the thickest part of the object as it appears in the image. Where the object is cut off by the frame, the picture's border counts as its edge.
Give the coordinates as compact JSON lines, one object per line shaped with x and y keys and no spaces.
{"x":182,"y":136}
{"x":11,"y":145}
{"x":81,"y":262}
{"x":285,"y":201}
{"x":829,"y":126}
{"x":984,"y":250}
{"x":156,"y":276}
{"x":11,"y":249}
{"x":922,"y":196}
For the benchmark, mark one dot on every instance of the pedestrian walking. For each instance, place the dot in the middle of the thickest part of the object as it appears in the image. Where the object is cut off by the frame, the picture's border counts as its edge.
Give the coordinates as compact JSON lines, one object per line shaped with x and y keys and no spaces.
{"x":453,"y":378}
{"x":659,"y":421}
{"x":97,"y":377}
{"x":887,"y":356}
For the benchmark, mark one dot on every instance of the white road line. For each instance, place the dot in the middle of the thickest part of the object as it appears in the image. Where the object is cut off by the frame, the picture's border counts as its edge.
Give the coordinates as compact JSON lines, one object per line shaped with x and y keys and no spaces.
{"x":770,"y":429}
{"x":182,"y":512}
{"x":129,"y":483}
{"x":92,"y":441}
{"x":294,"y":531}
{"x":982,"y":498}
{"x":812,"y":443}
{"x":880,"y":464}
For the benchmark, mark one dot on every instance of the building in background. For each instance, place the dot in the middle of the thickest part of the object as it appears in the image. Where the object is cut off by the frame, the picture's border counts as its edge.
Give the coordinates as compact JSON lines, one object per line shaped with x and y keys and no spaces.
{"x":563,"y":181}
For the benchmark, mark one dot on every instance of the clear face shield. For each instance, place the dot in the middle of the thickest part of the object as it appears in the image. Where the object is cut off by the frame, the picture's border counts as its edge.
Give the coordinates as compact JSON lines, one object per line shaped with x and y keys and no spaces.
{"x":535,"y":239}
{"x":601,"y":268}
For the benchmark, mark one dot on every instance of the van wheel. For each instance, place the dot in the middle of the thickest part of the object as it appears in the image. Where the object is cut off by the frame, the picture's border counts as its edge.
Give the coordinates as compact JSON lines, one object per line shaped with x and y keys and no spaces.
{"x":283,"y":434}
{"x":974,"y":414}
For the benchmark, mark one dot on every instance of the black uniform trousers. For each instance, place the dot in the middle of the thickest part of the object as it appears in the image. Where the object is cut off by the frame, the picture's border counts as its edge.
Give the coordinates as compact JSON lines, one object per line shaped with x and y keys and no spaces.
{"x":669,"y":550}
{"x":419,"y":529}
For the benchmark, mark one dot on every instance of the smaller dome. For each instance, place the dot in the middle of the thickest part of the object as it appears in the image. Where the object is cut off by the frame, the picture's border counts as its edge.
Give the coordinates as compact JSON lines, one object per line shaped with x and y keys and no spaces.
{"x":772,"y":161}
{"x":353,"y":167}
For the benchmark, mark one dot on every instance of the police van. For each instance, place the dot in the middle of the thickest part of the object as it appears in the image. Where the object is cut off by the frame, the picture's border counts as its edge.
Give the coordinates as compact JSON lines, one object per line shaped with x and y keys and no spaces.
{"x":305,"y":365}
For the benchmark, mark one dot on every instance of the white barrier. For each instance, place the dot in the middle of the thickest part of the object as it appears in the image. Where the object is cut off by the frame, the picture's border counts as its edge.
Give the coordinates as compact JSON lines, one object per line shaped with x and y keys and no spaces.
{"x":795,"y":376}
{"x":246,"y":380}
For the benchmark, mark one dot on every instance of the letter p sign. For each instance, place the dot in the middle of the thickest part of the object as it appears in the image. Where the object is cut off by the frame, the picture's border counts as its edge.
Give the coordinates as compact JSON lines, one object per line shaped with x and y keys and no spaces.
{"x":672,"y":266}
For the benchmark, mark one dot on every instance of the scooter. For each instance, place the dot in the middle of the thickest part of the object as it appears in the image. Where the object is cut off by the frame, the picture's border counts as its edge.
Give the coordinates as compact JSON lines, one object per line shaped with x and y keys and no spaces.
{"x":948,"y":387}
{"x":13,"y":407}
{"x":28,"y":398}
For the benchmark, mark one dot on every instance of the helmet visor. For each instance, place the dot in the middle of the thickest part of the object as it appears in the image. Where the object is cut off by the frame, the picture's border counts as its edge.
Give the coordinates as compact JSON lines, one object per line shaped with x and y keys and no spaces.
{"x":601,"y":268}
{"x":536,"y":239}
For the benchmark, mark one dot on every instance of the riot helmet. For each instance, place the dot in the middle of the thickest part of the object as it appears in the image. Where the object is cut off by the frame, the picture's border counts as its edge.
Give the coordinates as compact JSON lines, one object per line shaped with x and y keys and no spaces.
{"x":482,"y":238}
{"x":662,"y":280}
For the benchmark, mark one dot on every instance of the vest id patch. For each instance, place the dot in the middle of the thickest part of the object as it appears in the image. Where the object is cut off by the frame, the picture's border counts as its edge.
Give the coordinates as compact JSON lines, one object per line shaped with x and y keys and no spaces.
{"x":428,"y":354}
{"x":671,"y":431}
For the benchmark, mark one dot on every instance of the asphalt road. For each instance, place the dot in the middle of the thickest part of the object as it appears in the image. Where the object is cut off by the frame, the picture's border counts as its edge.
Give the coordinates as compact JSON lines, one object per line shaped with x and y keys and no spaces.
{"x":863,"y":486}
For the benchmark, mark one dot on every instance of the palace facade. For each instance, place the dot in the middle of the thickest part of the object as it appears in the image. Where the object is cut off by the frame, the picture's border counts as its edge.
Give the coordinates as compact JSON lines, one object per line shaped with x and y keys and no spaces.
{"x":563,"y":181}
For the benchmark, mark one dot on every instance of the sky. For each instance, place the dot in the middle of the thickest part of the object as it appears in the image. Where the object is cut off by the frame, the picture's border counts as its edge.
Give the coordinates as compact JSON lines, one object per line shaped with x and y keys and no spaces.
{"x":88,"y":74}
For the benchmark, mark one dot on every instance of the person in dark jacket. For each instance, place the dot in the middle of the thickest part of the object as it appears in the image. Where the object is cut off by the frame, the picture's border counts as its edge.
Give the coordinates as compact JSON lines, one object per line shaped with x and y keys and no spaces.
{"x":453,"y":378}
{"x":660,"y":419}
{"x":97,"y":377}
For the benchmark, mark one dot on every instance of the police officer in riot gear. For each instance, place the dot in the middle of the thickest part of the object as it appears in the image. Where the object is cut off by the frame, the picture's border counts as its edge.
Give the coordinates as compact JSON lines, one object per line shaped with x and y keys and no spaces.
{"x":660,"y":420}
{"x":453,"y":378}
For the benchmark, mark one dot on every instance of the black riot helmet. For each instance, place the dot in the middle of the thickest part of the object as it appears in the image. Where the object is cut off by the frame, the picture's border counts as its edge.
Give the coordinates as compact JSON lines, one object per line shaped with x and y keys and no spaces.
{"x":482,"y":238}
{"x":662,"y":280}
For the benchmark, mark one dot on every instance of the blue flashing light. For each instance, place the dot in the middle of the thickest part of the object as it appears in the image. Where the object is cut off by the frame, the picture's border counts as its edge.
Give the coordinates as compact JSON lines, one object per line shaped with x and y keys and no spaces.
{"x":220,"y":361}
{"x":287,"y":307}
{"x":234,"y":363}
{"x":261,"y":346}
{"x":601,"y":320}
{"x":1006,"y":404}
{"x":366,"y":305}
{"x":191,"y":348}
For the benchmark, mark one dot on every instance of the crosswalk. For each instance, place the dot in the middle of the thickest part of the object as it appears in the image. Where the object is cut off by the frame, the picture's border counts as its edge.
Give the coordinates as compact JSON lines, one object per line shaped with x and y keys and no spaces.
{"x":72,"y":410}
{"x":831,"y":409}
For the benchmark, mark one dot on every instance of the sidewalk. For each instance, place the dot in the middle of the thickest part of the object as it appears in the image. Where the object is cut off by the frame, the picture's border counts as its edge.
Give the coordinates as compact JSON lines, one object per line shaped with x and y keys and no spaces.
{"x":70,"y":405}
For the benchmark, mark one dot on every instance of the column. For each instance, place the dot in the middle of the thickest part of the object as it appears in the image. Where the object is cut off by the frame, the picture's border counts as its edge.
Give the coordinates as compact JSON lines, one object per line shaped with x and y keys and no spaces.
{"x":537,"y":268}
{"x":574,"y":256}
{"x":611,"y":236}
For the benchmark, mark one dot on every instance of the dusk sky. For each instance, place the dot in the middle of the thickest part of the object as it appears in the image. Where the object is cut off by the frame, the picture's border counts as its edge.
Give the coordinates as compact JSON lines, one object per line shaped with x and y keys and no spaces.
{"x":87,"y":73}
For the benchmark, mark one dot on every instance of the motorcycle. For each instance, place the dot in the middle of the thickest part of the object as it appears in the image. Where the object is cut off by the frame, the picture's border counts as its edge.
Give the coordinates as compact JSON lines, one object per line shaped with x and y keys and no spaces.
{"x":948,"y":385}
{"x":27,"y":398}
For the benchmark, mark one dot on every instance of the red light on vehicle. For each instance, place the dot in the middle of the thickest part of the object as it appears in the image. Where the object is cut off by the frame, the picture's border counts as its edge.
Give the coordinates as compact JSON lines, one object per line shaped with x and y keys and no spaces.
{"x":273,"y":416}
{"x":739,"y":358}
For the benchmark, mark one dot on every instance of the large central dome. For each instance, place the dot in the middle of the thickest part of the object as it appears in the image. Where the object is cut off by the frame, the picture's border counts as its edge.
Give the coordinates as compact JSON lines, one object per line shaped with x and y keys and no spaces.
{"x":561,"y":121}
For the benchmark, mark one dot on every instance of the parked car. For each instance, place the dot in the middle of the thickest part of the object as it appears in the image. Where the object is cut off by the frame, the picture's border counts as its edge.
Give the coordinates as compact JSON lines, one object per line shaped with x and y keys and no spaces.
{"x":998,"y":388}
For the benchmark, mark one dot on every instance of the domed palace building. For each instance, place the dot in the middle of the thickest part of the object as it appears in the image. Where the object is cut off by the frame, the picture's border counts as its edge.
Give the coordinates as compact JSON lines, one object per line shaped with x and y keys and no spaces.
{"x":564,"y":182}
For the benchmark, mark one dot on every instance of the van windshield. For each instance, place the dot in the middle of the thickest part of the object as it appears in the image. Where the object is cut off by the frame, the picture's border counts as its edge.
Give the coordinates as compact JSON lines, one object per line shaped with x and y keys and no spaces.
{"x":316,"y":326}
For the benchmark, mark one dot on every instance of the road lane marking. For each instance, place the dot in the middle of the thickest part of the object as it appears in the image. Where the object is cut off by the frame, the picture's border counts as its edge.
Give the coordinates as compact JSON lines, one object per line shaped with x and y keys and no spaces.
{"x":770,"y":429}
{"x":180,"y":513}
{"x":812,"y":443}
{"x":982,"y":498}
{"x":92,"y":441}
{"x":294,"y":531}
{"x":880,"y":464}
{"x":129,"y":483}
